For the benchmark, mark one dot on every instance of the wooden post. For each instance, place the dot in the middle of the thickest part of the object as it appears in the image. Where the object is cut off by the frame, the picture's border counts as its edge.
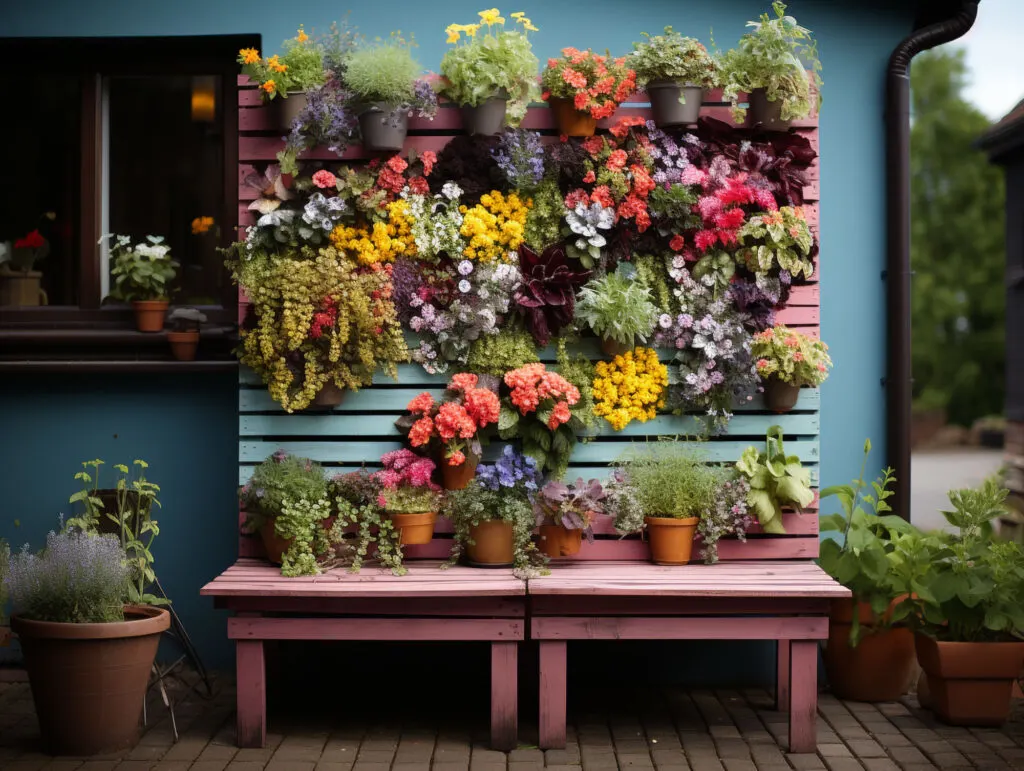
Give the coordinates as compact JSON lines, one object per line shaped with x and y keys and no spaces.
{"x":803,"y":695}
{"x":552,"y":694}
{"x":251,"y":688}
{"x":504,"y":695}
{"x":782,"y":676}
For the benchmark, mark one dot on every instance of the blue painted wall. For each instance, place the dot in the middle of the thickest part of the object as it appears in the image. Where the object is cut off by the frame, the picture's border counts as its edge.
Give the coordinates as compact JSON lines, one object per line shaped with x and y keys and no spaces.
{"x":55,"y":423}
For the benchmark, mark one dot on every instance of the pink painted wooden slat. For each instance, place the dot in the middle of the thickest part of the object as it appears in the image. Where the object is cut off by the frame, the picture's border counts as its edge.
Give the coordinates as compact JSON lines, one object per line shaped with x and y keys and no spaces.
{"x":553,"y":676}
{"x":251,"y":696}
{"x":255,"y":148}
{"x":660,"y":605}
{"x":504,"y":696}
{"x":803,"y":695}
{"x":797,"y":315}
{"x":782,"y":654}
{"x":782,"y":548}
{"x":667,"y":628}
{"x":375,"y":629}
{"x":495,"y":607}
{"x":805,"y":294}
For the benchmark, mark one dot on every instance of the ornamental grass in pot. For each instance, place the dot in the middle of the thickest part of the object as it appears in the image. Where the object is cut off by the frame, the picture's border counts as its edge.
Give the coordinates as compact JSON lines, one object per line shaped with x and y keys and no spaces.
{"x":88,"y":652}
{"x":284,"y":79}
{"x":565,"y":515}
{"x":618,"y":309}
{"x":142,"y":276}
{"x":675,"y":71}
{"x":869,"y":655}
{"x":583,"y":87}
{"x":492,"y":75}
{"x":788,"y":360}
{"x":408,"y":495}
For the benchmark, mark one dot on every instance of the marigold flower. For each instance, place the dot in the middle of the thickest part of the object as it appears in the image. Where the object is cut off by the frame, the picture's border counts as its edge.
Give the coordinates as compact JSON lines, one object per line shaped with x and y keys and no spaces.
{"x":302,"y":37}
{"x":249,"y":55}
{"x":269,"y":86}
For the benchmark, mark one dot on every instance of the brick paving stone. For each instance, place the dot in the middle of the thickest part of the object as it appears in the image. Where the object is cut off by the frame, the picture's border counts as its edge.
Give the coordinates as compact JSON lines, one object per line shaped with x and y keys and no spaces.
{"x":843,"y":764}
{"x":907,"y":756}
{"x":209,"y":765}
{"x":326,"y":765}
{"x":866,"y":748}
{"x":725,"y":732}
{"x":804,"y":761}
{"x":372,"y":756}
{"x":563,"y":768}
{"x":767,"y":755}
{"x":447,"y":765}
{"x":733,"y":748}
{"x":738,"y":764}
{"x":62,"y":765}
{"x":97,"y":765}
{"x":566,"y":757}
{"x":169,"y":765}
{"x":215,"y":752}
{"x":526,"y":765}
{"x":879,"y":764}
{"x":135,"y":765}
{"x":633,"y":761}
{"x":245,"y":765}
{"x":833,"y":750}
{"x":706,"y":764}
{"x":290,"y":765}
{"x":365,"y":767}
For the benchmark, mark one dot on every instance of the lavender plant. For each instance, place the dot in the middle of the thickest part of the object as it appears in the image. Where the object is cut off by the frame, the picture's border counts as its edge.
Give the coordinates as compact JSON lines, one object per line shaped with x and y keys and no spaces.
{"x":327,"y":120}
{"x":520,"y":156}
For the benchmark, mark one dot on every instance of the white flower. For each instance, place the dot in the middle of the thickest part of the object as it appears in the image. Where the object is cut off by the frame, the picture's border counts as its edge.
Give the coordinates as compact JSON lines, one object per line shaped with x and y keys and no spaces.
{"x":482,"y":293}
{"x":451,"y":191}
{"x":464,"y":286}
{"x":665,"y":321}
{"x":465,"y":268}
{"x":415,"y":301}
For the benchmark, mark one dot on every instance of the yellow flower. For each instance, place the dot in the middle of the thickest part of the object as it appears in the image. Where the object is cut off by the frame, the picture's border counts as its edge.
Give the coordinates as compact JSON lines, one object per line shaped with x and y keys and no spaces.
{"x":302,"y":37}
{"x":249,"y":55}
{"x":518,"y":15}
{"x":471,"y":29}
{"x":630,"y":387}
{"x":528,"y":26}
{"x":492,"y":16}
{"x":452,"y":31}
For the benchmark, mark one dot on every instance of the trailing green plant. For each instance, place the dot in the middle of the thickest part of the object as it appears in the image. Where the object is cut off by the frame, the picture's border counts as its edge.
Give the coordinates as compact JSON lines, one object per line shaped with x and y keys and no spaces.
{"x":497,"y":354}
{"x":774,"y":56}
{"x":617,"y":307}
{"x":776,"y":480}
{"x":671,"y":56}
{"x":134,"y":499}
{"x":301,"y":524}
{"x":299,"y":67}
{"x":355,"y":499}
{"x":864,"y":558}
{"x":140,"y":272}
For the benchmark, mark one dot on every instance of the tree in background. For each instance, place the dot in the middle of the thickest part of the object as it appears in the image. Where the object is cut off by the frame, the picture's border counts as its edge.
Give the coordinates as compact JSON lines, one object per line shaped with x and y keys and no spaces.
{"x":957,"y":247}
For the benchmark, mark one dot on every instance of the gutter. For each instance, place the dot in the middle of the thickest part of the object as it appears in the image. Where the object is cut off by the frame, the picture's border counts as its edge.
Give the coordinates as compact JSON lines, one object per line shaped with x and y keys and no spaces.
{"x":898,"y":379}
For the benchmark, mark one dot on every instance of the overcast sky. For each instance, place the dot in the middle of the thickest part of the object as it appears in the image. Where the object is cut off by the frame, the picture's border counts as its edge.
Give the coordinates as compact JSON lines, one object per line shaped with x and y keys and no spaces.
{"x":995,"y":56}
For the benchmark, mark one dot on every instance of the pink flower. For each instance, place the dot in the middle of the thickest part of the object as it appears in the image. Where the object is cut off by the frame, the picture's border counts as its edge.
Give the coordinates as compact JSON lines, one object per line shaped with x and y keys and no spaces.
{"x":324,"y":179}
{"x":762,"y":363}
{"x":589,"y":177}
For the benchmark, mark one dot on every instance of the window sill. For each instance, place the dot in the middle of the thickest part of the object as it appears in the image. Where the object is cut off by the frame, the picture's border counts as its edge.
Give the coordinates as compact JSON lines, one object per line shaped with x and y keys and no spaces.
{"x":115,"y":366}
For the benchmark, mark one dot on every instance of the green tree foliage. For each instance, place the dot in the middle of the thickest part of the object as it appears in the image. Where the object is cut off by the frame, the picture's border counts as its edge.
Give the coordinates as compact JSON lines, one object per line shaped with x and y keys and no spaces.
{"x":957,"y":247}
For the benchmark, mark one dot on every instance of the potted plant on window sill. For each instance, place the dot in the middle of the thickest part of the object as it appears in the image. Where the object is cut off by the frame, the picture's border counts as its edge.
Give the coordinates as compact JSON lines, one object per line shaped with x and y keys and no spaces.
{"x":285,"y":78}
{"x":675,"y":71}
{"x":184,"y":335}
{"x":19,"y":284}
{"x":142,"y":276}
{"x":786,"y":361}
{"x":408,"y":495}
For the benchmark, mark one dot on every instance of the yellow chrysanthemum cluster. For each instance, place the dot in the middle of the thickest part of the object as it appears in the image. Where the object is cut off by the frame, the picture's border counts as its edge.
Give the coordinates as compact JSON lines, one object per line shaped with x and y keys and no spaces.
{"x":630,"y":387}
{"x":383,"y":241}
{"x":494,"y":226}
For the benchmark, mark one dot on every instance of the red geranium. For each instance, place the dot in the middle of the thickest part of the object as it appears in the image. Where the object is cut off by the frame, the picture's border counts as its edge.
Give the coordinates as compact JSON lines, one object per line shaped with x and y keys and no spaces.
{"x":33,"y":240}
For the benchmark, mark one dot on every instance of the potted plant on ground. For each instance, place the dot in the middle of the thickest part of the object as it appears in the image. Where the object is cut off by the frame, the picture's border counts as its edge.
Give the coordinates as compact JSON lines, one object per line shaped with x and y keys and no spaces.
{"x":285,"y":78}
{"x":868,"y":656}
{"x":385,"y":82}
{"x":408,"y":495}
{"x":184,"y":333}
{"x":88,"y":652}
{"x":493,"y":516}
{"x":142,"y":276}
{"x":287,"y":501}
{"x":19,"y":284}
{"x":618,"y":309}
{"x":675,"y":71}
{"x":964,"y":603}
{"x":493,"y":75}
{"x":583,"y":87}
{"x":787,"y":360}
{"x":770,"y":63}
{"x":565,"y":514}
{"x":776,"y":480}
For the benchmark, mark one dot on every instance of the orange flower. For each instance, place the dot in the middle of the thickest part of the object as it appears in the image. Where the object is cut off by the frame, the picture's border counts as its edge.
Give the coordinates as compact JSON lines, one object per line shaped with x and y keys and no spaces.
{"x":270,"y":87}
{"x":249,"y":55}
{"x":302,"y":37}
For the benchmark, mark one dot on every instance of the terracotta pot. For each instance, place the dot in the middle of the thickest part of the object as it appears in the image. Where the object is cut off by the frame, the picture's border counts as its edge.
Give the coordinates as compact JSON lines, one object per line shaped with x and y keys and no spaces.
{"x":671,"y":539}
{"x":414,"y":529}
{"x":486,"y":118}
{"x":21,"y":288}
{"x":764,"y":114}
{"x":149,"y":315}
{"x":184,"y":344}
{"x":328,"y":396}
{"x":970,"y":683}
{"x":274,"y":545}
{"x":614,"y":348}
{"x":458,"y":477}
{"x":569,"y":120}
{"x":556,"y":541}
{"x":493,"y":544}
{"x":880,"y":668}
{"x":667,"y":110}
{"x":780,"y":397}
{"x":89,"y":680}
{"x":383,"y":128}
{"x":285,"y":111}
{"x":924,"y":692}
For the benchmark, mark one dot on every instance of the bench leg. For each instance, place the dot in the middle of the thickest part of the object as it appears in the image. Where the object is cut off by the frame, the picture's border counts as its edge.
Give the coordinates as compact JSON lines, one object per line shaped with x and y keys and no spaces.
{"x":251,"y":687}
{"x":782,"y":677}
{"x":552,"y":694}
{"x":504,"y":696}
{"x":803,"y":695}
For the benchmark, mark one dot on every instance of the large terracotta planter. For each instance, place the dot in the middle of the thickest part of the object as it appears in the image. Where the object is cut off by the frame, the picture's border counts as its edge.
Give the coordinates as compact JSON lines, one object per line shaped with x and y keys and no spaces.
{"x":414,"y":529}
{"x":274,"y":545}
{"x":21,"y":288}
{"x":383,"y":127}
{"x":780,"y":397}
{"x":764,"y":114}
{"x":556,"y":541}
{"x":149,"y":315}
{"x":667,"y":110}
{"x":880,"y":668}
{"x":671,"y":539}
{"x":970,"y":683}
{"x":458,"y":477}
{"x":89,"y":680}
{"x":493,"y":544}
{"x":569,"y":120}
{"x":184,"y":344}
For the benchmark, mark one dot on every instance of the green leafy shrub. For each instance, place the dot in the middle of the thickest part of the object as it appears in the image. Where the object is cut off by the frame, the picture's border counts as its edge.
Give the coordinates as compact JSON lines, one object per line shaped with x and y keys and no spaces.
{"x":143,"y":271}
{"x":776,"y":480}
{"x":497,"y":354}
{"x":671,"y":56}
{"x":384,"y":71}
{"x":617,"y":307}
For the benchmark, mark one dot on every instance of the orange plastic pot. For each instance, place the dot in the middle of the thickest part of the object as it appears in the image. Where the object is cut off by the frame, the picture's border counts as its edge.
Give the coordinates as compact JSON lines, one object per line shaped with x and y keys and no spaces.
{"x":970,"y":683}
{"x":458,"y":477}
{"x":149,"y":315}
{"x":414,"y":529}
{"x":880,"y":668}
{"x":569,"y":120}
{"x":556,"y":541}
{"x":184,"y":344}
{"x":493,"y":544}
{"x":671,"y":539}
{"x":274,"y":545}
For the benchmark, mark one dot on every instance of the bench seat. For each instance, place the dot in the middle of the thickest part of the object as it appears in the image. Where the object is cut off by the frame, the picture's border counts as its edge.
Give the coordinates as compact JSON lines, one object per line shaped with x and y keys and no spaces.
{"x":782,"y":600}
{"x":456,"y":604}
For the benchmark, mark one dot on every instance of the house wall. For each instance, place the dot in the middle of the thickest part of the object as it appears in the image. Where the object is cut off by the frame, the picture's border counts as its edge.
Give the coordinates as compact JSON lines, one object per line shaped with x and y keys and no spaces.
{"x":186,"y":426}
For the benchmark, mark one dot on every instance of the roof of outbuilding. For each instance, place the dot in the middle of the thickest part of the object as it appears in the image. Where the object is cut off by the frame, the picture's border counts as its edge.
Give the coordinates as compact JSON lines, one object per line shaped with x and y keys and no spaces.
{"x":1005,"y":134}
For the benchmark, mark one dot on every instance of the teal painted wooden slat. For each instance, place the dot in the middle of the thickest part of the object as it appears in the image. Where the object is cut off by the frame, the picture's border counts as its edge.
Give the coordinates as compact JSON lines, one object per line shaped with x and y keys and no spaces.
{"x":340,"y":425}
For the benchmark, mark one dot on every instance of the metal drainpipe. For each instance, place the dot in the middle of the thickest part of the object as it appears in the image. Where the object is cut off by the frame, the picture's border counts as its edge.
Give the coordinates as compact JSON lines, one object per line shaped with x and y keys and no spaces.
{"x":898,"y":379}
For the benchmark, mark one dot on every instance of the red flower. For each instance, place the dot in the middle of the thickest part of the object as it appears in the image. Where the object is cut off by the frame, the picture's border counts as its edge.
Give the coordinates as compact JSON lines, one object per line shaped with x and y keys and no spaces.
{"x":419,"y":186}
{"x":421,"y":404}
{"x":730,"y":219}
{"x":593,"y":145}
{"x":580,"y":100}
{"x":617,"y":160}
{"x":589,"y":177}
{"x":324,"y":179}
{"x":421,"y":432}
{"x":621,"y":128}
{"x":428,"y":158}
{"x":33,"y":240}
{"x":576,"y":197}
{"x":483,"y":406}
{"x":457,"y":458}
{"x":603,"y":196}
{"x":397,"y":163}
{"x":704,"y":239}
{"x":677,"y":243}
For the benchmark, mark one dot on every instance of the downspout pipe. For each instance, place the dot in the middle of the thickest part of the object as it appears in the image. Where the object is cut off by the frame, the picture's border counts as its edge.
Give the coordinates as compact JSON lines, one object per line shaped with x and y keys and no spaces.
{"x":898,"y":378}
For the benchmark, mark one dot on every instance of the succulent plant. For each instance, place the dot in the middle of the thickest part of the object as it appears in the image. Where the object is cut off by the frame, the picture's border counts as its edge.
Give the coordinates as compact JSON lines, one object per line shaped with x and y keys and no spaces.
{"x":547,"y":295}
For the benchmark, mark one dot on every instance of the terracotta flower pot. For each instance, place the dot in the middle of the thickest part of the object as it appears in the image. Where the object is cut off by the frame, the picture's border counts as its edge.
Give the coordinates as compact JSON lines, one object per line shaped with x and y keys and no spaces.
{"x":274,"y":545}
{"x":21,"y":288}
{"x":184,"y":344}
{"x":780,"y":397}
{"x":414,"y":529}
{"x":493,"y":544}
{"x":285,"y":111}
{"x":458,"y":477}
{"x":970,"y":682}
{"x":667,"y":110}
{"x":569,"y":120}
{"x":880,"y":668}
{"x":327,"y":397}
{"x":764,"y":114}
{"x":89,"y":680}
{"x":611,"y":347}
{"x":486,"y":118}
{"x":556,"y":541}
{"x":671,"y":539}
{"x":149,"y":315}
{"x":383,"y":128}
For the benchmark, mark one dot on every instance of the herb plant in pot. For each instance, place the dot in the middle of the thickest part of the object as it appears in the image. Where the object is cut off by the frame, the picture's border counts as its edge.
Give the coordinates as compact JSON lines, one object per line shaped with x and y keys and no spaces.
{"x":583,"y":87}
{"x":565,"y":514}
{"x":19,"y":284}
{"x":776,"y":480}
{"x":492,"y":76}
{"x":88,"y":652}
{"x":869,"y":656}
{"x":142,"y":276}
{"x":408,"y":495}
{"x":787,"y":360}
{"x":285,"y":78}
{"x":770,"y":63}
{"x":184,"y":333}
{"x":675,"y":71}
{"x":618,"y":309}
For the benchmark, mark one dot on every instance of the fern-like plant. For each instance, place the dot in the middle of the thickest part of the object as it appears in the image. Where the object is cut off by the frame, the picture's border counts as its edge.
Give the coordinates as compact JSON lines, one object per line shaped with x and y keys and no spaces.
{"x":617,"y":307}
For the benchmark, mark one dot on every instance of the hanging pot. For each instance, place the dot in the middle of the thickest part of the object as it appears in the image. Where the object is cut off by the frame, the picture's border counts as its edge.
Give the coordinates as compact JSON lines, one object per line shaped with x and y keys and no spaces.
{"x":970,"y":683}
{"x":764,"y":114}
{"x":671,"y":539}
{"x":21,"y":288}
{"x":666,"y":108}
{"x":569,"y":120}
{"x":414,"y":529}
{"x":149,"y":315}
{"x":383,"y":127}
{"x":328,"y":396}
{"x":486,"y":118}
{"x":492,"y":545}
{"x":89,"y":680}
{"x":611,"y":347}
{"x":556,"y":541}
{"x":458,"y":477}
{"x":780,"y":397}
{"x":284,"y":111}
{"x":184,"y":344}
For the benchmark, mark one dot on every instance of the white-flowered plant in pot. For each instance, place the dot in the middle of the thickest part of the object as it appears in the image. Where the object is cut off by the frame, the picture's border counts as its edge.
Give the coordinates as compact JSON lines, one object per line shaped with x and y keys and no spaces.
{"x":142,"y":275}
